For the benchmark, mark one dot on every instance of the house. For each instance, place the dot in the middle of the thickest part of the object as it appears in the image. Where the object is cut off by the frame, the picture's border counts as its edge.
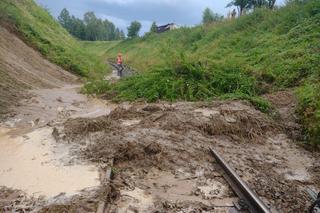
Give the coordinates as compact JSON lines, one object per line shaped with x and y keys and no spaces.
{"x":167,"y":27}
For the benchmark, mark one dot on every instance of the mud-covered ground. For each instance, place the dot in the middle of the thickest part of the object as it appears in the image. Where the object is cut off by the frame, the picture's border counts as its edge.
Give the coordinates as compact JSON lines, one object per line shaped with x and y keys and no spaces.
{"x":158,"y":154}
{"x":162,"y":161}
{"x":37,"y":174}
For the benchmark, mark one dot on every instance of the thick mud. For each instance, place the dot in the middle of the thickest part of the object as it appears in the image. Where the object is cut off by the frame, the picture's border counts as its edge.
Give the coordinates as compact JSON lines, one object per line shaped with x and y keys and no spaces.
{"x":55,"y":153}
{"x":162,"y":162}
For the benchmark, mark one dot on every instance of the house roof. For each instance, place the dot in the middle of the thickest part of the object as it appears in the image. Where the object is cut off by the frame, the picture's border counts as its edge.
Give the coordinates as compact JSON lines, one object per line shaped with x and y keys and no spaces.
{"x":164,"y":28}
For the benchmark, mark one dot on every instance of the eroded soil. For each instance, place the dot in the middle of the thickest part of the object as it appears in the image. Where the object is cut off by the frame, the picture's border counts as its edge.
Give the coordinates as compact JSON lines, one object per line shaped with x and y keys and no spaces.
{"x":162,"y":162}
{"x":22,"y":68}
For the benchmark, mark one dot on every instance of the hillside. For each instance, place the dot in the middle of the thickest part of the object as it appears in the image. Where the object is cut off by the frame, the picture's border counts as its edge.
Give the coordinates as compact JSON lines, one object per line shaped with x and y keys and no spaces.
{"x":23,"y":24}
{"x":22,"y":68}
{"x":40,"y":30}
{"x":257,"y":54}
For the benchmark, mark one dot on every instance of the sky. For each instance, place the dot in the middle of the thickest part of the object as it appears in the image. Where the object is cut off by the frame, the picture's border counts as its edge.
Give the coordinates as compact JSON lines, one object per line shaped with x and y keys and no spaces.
{"x":122,"y":12}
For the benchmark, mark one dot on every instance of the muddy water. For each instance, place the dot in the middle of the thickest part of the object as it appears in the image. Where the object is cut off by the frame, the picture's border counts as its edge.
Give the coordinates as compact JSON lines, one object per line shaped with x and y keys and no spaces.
{"x":30,"y":158}
{"x":35,"y":164}
{"x":57,"y":105}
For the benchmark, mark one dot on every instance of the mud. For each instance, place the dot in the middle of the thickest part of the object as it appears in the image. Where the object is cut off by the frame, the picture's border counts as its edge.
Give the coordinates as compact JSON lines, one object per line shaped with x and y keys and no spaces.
{"x":162,"y":162}
{"x":37,"y":173}
{"x":31,"y":162}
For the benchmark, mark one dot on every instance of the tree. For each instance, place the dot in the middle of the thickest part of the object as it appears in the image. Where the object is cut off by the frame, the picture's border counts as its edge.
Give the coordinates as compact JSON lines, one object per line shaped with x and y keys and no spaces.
{"x":258,"y":3}
{"x":209,"y":16}
{"x":241,"y":5}
{"x":90,"y":28}
{"x":122,"y":35}
{"x":133,"y":29}
{"x":262,"y":3}
{"x":78,"y":28}
{"x":65,"y":19}
{"x":154,"y":27}
{"x":271,"y":3}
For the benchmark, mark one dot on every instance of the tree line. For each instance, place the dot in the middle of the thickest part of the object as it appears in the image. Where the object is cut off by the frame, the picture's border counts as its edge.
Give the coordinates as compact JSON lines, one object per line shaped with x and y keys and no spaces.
{"x":244,"y":5}
{"x":209,"y":16}
{"x":90,"y":28}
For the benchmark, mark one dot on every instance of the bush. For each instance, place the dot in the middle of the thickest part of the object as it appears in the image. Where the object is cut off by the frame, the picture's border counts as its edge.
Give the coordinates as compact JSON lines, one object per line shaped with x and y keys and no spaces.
{"x":189,"y":81}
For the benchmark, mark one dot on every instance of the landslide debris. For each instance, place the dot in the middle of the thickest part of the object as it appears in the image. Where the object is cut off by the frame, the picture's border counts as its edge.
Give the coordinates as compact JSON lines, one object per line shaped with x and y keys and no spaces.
{"x":162,"y":162}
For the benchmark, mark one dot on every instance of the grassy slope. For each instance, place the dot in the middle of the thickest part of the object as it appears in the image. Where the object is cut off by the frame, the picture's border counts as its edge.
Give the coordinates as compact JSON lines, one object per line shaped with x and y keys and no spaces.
{"x":281,"y":46}
{"x":244,"y":58}
{"x":39,"y":29}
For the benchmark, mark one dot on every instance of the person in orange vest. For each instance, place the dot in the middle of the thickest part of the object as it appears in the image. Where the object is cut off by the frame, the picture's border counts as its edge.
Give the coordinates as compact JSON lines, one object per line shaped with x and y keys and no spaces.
{"x":120,"y":65}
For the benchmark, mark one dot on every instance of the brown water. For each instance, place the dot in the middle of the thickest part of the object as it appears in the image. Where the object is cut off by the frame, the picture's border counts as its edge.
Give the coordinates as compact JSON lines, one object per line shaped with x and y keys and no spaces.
{"x":35,"y":164}
{"x":30,"y":158}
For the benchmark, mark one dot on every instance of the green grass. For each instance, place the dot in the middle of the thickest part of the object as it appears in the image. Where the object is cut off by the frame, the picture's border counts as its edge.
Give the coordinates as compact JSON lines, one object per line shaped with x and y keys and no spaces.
{"x":98,"y":48}
{"x":40,"y":30}
{"x":245,"y":58}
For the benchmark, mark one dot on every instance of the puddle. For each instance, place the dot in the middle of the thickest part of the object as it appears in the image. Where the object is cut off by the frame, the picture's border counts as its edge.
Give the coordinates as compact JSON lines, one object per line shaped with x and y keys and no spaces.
{"x":33,"y":163}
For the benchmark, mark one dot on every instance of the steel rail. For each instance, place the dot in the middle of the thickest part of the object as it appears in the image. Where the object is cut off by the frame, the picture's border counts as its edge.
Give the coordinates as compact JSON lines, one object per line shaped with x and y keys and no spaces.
{"x":251,"y":201}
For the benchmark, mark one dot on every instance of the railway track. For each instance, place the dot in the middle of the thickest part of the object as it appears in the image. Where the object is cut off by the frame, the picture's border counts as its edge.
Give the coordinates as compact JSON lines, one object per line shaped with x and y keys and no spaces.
{"x":127,"y":71}
{"x":248,"y":200}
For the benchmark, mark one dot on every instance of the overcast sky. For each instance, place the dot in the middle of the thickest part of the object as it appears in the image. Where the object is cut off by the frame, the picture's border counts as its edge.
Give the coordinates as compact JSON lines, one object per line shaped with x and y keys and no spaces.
{"x":122,"y":12}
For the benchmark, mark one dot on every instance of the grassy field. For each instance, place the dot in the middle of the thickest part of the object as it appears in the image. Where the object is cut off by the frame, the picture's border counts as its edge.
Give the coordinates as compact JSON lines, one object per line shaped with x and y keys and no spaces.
{"x":40,"y":30}
{"x":260,"y":53}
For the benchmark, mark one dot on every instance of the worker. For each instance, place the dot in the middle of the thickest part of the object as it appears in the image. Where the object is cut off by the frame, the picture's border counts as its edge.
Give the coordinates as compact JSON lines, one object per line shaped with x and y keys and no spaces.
{"x":120,"y":65}
{"x":233,"y":14}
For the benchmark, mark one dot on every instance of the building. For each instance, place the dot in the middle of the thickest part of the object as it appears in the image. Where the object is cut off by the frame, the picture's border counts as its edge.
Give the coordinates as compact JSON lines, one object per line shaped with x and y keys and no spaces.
{"x":167,"y":27}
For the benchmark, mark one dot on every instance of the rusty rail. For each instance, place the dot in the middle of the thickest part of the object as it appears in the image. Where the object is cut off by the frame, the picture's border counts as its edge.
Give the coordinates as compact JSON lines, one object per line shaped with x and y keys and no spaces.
{"x":248,"y":199}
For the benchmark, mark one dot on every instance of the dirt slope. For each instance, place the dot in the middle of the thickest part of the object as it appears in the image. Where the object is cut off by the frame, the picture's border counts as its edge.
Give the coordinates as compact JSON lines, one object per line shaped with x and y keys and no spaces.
{"x":23,"y":68}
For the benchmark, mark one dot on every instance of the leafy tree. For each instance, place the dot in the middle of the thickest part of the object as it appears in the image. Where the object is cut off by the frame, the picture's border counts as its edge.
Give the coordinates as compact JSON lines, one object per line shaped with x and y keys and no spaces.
{"x":209,"y":16}
{"x":91,"y":22}
{"x":258,"y":3}
{"x":90,"y":28}
{"x":78,"y":28}
{"x":248,"y":4}
{"x":241,"y":5}
{"x":65,"y":19}
{"x":154,"y":27}
{"x":271,"y":3}
{"x":133,"y":29}
{"x":121,"y":35}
